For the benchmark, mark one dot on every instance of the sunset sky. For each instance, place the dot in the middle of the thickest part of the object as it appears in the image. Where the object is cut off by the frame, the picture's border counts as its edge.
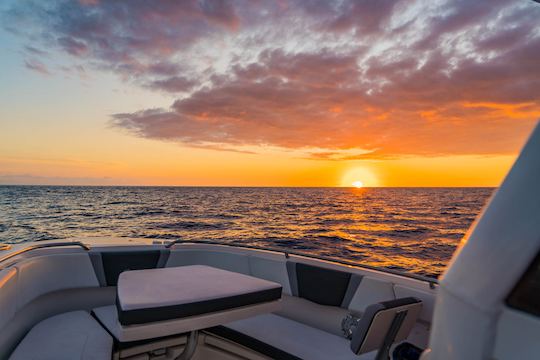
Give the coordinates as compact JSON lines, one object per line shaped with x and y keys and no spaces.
{"x":266,"y":93}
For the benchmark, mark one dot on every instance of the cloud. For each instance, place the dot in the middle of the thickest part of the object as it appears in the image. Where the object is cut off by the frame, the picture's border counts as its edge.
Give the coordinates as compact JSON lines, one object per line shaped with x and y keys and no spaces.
{"x":72,"y":46}
{"x":338,"y":80}
{"x":35,"y":51}
{"x":36,"y":65}
{"x":173,"y":84}
{"x":365,"y":17}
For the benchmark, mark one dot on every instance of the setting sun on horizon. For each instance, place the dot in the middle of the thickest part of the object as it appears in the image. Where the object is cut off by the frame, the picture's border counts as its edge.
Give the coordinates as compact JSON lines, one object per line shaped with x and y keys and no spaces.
{"x":266,"y":94}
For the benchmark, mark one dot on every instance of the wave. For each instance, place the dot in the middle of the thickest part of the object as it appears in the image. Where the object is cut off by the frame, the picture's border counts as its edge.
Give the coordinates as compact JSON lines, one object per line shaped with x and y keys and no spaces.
{"x":150,"y":212}
{"x":333,"y":222}
{"x":382,"y":226}
{"x":191,"y":225}
{"x":407,"y":233}
{"x":122,"y":203}
{"x":333,"y":239}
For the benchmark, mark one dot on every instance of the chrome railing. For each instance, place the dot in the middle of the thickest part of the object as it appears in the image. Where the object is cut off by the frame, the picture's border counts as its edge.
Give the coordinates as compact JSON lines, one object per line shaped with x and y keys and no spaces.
{"x":43,"y":246}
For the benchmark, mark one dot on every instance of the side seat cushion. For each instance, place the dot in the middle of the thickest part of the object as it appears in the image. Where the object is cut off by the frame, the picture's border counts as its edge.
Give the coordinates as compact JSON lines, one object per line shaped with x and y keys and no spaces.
{"x":223,"y":260}
{"x":72,"y":335}
{"x":43,"y":274}
{"x":299,"y":340}
{"x":323,"y":317}
{"x":8,"y":295}
{"x":371,"y":291}
{"x":271,"y":269}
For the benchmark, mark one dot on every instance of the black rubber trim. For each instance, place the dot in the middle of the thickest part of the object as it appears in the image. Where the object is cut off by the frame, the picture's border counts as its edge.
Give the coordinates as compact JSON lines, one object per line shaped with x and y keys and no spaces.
{"x":116,"y":262}
{"x":525,"y":296}
{"x":142,"y":316}
{"x":251,"y":343}
{"x":93,"y":314}
{"x":400,"y":302}
{"x":320,"y":285}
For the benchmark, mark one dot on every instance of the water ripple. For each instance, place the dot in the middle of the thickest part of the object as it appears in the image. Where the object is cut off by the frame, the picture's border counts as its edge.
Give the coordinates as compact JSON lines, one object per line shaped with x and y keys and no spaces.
{"x":409,"y":229}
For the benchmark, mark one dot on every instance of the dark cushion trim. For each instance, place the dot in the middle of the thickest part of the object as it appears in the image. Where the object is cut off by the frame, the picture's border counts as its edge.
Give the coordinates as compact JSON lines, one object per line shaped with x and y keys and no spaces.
{"x":163,"y":257}
{"x":119,"y":345}
{"x":354,"y":282}
{"x":251,"y":343}
{"x":97,"y":264}
{"x":141,"y":316}
{"x":291,"y":272}
{"x":320,"y":285}
{"x":93,"y":314}
{"x":116,"y":262}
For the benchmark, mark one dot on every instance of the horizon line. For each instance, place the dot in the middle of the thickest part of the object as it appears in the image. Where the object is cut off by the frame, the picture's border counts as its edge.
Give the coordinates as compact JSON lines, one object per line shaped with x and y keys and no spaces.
{"x":252,"y":186}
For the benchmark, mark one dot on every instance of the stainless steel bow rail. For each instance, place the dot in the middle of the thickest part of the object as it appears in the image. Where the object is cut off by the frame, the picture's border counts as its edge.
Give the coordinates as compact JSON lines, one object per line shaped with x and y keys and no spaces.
{"x":43,"y":246}
{"x":432,"y":281}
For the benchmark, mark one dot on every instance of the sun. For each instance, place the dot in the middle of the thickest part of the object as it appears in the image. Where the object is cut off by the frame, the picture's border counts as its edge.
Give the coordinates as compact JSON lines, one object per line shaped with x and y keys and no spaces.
{"x":359,"y":177}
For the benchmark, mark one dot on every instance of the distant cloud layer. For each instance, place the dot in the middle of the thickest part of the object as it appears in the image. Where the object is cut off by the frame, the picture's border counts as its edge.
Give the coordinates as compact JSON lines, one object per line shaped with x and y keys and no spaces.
{"x":373,"y":78}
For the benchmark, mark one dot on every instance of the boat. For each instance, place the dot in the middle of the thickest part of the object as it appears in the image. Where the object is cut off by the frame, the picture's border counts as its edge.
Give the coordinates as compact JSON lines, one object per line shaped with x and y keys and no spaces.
{"x":130,"y":298}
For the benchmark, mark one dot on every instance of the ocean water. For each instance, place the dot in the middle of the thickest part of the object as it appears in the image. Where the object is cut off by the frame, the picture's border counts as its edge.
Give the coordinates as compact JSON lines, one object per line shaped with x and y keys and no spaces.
{"x":413,"y":230}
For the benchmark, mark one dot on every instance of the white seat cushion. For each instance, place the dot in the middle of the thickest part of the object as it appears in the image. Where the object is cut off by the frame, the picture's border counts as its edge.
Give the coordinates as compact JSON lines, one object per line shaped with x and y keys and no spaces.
{"x":150,"y":295}
{"x":43,"y":274}
{"x":322,"y":317}
{"x":371,"y":291}
{"x":272,"y":268}
{"x":72,"y":335}
{"x":220,"y":259}
{"x":297,"y":339}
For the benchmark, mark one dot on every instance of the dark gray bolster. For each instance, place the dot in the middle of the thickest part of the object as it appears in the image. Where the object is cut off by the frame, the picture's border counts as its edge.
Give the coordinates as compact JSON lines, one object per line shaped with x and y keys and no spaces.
{"x":170,"y":312}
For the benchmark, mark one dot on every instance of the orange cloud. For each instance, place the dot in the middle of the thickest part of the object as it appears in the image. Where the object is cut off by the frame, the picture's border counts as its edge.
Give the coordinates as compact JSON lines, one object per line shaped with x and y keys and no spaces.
{"x":338,"y":80}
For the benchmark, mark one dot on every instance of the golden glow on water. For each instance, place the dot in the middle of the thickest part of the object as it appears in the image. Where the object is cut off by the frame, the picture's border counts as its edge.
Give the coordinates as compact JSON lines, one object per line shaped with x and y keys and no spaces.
{"x":408,"y":229}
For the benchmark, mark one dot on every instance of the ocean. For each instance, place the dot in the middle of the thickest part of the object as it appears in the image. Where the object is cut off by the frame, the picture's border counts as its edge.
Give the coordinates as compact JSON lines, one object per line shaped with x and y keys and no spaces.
{"x":413,"y":230}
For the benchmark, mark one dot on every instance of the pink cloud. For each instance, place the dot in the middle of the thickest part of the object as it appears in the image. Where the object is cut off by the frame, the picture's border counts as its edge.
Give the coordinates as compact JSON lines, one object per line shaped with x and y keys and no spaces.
{"x":72,"y":46}
{"x":38,"y":66}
